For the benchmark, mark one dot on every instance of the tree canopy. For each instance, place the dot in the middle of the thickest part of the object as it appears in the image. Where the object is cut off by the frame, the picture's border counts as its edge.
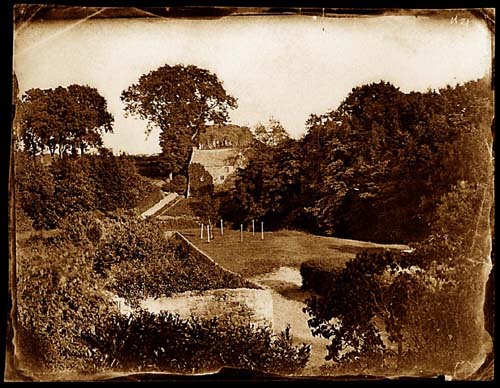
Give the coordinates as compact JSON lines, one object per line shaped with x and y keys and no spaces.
{"x":179,"y":100}
{"x":272,"y":133}
{"x":63,"y":119}
{"x":374,"y":168}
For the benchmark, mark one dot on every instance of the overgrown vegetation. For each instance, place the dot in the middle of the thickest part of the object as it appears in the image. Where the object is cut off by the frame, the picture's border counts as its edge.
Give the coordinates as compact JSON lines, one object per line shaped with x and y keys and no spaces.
{"x":373,"y":169}
{"x":139,"y":262}
{"x":405,"y":312}
{"x":67,"y":322}
{"x":194,"y":345}
{"x":48,"y":193}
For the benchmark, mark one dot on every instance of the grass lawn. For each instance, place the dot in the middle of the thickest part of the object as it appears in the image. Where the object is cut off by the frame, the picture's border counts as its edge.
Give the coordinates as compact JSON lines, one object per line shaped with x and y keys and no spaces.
{"x":255,"y":256}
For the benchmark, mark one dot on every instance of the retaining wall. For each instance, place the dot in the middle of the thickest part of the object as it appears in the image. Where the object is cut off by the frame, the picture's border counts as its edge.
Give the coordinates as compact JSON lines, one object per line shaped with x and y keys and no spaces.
{"x":192,"y":249}
{"x":239,"y":305}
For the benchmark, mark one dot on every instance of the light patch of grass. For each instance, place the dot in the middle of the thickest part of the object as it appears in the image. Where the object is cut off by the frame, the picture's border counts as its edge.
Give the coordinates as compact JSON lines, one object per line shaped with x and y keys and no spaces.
{"x":255,"y":256}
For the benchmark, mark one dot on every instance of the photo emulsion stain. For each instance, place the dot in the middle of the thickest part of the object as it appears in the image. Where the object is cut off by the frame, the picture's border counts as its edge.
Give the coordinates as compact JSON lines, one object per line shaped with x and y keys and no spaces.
{"x":296,"y":195}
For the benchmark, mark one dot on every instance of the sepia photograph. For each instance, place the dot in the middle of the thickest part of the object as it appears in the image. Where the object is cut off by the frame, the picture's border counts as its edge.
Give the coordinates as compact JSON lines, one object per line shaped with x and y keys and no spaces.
{"x":203,"y":192}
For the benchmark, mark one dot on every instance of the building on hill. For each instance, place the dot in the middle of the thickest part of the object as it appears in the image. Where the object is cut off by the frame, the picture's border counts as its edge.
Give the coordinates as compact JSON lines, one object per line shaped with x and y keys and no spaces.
{"x":220,"y":163}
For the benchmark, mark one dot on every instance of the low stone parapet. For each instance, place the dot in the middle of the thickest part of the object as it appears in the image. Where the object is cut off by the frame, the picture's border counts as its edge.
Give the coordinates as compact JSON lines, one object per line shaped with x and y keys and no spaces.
{"x":239,"y":305}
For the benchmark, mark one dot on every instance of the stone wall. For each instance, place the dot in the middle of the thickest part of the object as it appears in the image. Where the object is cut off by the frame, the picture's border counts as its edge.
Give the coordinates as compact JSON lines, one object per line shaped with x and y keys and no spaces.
{"x":240,"y":305}
{"x":200,"y":255}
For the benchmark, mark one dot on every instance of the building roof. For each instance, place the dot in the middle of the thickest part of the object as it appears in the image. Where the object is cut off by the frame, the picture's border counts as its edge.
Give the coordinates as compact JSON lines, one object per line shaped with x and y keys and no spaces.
{"x":216,"y":157}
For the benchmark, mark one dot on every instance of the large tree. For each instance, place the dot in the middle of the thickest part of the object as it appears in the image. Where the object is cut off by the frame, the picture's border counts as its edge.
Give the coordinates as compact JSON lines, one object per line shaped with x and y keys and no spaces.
{"x":272,"y":134}
{"x":181,"y":101}
{"x":63,"y":119}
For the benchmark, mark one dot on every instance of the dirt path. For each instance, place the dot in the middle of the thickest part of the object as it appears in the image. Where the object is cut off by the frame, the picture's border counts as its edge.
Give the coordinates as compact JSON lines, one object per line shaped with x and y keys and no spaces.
{"x":288,"y":302}
{"x":160,"y":204}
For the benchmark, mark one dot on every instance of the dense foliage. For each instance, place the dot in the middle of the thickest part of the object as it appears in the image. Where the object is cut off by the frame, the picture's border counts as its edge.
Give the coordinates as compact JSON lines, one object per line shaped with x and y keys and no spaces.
{"x":59,"y":297}
{"x":201,"y":182}
{"x":220,"y":136}
{"x":66,"y":321}
{"x":140,"y":262}
{"x":104,"y":182}
{"x":151,"y":166}
{"x":164,"y":342}
{"x":272,"y":133}
{"x":372,"y":169}
{"x":269,"y":188}
{"x":318,"y":275}
{"x":180,"y":101}
{"x":421,"y":311}
{"x":65,"y":120}
{"x":418,"y":311}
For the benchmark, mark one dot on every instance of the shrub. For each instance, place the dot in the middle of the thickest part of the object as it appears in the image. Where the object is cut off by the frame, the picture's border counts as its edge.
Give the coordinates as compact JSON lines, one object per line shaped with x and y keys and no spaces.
{"x":139,"y":262}
{"x":91,"y":182}
{"x":317,"y":275}
{"x":58,"y":298}
{"x":34,"y":191}
{"x":22,"y":221}
{"x":164,"y":342}
{"x":67,"y":322}
{"x":83,"y":226}
{"x":177,"y":185}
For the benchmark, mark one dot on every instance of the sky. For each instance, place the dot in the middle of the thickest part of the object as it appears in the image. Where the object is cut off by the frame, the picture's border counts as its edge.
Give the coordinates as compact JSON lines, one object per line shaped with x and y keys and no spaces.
{"x":287,"y":67}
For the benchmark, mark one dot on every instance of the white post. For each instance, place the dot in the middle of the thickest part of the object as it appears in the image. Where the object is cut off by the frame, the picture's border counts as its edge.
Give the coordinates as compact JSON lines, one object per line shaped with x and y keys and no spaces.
{"x":201,"y":232}
{"x":208,"y":233}
{"x":241,"y":232}
{"x":253,"y":227}
{"x":262,"y":229}
{"x":221,"y":228}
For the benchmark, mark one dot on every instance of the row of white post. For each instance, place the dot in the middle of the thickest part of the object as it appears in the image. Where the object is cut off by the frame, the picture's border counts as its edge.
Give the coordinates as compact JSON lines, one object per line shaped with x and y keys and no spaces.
{"x":209,"y":232}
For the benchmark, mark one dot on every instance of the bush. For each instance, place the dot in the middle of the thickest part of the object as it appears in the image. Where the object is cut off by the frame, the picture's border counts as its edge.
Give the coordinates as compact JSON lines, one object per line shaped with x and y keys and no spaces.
{"x":22,"y":221}
{"x":58,"y":298}
{"x":318,"y":275}
{"x":140,"y":262}
{"x":177,"y":185}
{"x":164,"y":342}
{"x":83,"y":226}
{"x":34,"y":191}
{"x":101,"y":182}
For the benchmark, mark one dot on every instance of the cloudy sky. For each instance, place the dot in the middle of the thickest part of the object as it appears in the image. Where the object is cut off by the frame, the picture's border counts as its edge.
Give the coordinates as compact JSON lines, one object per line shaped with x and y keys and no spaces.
{"x":286,"y":66}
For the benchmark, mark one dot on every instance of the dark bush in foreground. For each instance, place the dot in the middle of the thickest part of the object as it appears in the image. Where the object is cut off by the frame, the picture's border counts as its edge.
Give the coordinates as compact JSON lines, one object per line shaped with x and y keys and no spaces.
{"x":317,"y":275}
{"x":58,"y":298}
{"x":164,"y":342}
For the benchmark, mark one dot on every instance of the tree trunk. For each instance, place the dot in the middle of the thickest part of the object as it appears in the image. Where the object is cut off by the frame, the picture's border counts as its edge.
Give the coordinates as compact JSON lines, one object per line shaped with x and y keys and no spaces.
{"x":188,"y":181}
{"x":400,"y":353}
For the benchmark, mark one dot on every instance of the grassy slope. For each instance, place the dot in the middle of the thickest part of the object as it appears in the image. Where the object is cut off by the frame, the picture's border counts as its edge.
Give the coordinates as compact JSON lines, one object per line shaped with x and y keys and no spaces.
{"x":254,"y":256}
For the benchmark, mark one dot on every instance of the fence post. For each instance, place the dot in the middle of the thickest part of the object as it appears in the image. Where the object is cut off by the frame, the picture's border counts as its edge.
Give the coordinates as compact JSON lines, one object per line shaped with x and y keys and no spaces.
{"x":262,"y":230}
{"x":201,"y":232}
{"x":241,"y":232}
{"x":221,"y":227}
{"x":253,"y":227}
{"x":208,"y":233}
